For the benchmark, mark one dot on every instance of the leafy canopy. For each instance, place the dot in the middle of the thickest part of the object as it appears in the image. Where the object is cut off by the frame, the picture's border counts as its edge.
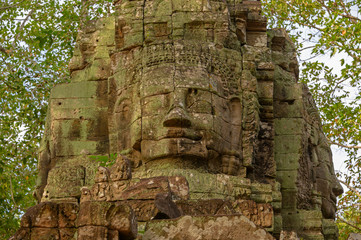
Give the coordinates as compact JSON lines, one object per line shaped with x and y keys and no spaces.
{"x":36,"y":43}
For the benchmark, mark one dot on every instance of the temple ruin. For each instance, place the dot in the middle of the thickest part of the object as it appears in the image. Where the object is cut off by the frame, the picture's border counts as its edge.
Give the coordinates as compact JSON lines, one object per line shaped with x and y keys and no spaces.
{"x":184,"y":119}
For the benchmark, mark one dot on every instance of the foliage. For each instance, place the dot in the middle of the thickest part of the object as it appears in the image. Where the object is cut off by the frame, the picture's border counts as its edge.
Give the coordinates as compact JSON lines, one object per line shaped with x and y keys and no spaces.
{"x":105,"y":161}
{"x":36,"y":42}
{"x":331,"y":29}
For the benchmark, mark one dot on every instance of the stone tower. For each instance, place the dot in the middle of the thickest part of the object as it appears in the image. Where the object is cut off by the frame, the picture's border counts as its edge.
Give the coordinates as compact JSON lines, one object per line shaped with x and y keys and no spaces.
{"x":183,"y":120}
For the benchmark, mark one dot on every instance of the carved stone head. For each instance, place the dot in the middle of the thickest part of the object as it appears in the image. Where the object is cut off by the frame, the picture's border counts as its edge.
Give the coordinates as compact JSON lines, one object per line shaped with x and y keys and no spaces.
{"x":178,"y":99}
{"x":326,"y":181}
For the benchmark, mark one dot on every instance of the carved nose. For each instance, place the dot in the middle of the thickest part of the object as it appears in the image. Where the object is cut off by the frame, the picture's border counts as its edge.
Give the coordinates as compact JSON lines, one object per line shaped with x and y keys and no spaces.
{"x":337,"y":190}
{"x":177,"y":117}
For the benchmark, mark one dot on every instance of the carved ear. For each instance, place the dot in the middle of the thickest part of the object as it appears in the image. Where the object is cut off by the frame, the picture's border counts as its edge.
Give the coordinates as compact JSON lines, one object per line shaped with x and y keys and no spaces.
{"x":236,"y":111}
{"x":123,"y":111}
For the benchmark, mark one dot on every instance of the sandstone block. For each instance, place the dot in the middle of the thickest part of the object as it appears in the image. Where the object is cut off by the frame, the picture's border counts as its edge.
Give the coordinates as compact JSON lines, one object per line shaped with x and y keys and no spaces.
{"x":260,"y":213}
{"x":265,"y":89}
{"x":102,"y":175}
{"x":65,"y":181}
{"x":21,"y":234}
{"x":121,"y":169}
{"x":118,"y":217}
{"x":144,"y":210}
{"x":329,"y":228}
{"x":139,"y":188}
{"x":179,"y":187}
{"x":288,"y":144}
{"x":234,"y":227}
{"x":67,"y":214}
{"x":113,"y":235}
{"x":38,"y":233}
{"x":93,"y":213}
{"x":78,"y":89}
{"x":287,"y":161}
{"x":288,"y":109}
{"x":67,"y":233}
{"x":165,"y":206}
{"x":43,"y":215}
{"x":289,"y":199}
{"x":288,"y":235}
{"x":257,"y":39}
{"x":354,"y":236}
{"x":289,"y":126}
{"x":288,"y":179}
{"x":92,"y":232}
{"x":122,"y":218}
{"x":287,"y":92}
{"x":206,"y":207}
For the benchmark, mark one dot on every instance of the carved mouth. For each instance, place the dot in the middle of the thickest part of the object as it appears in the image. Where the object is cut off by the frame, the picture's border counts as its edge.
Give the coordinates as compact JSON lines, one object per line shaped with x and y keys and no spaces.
{"x":173,"y":147}
{"x":183,"y":133}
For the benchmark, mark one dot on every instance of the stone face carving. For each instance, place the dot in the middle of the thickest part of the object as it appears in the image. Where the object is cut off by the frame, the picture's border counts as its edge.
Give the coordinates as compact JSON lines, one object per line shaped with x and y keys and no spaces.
{"x":320,"y":161}
{"x":209,"y":128}
{"x":188,"y":117}
{"x":326,"y":181}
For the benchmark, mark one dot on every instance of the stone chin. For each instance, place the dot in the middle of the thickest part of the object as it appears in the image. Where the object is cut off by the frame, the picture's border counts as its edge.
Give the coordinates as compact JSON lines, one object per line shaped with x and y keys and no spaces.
{"x":328,"y":208}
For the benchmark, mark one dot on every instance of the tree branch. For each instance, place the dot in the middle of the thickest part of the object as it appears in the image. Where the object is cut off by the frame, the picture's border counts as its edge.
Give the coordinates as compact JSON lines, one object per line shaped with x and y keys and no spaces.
{"x":21,"y":28}
{"x":3,"y":50}
{"x":351,"y":188}
{"x":10,"y":6}
{"x":12,"y":193}
{"x":345,"y":146}
{"x":350,"y":206}
{"x":349,"y":223}
{"x":347,"y":13}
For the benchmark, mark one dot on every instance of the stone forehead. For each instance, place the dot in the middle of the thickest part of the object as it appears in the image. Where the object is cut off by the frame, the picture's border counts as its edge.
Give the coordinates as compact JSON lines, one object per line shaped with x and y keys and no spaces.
{"x":225,"y":63}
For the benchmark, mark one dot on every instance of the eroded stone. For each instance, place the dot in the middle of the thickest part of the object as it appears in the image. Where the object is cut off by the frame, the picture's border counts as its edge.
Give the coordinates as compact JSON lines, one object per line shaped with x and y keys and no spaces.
{"x":187,"y":227}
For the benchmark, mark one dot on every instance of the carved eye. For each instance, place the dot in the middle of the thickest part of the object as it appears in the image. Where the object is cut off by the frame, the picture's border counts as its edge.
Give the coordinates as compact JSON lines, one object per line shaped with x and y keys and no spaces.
{"x":193,"y":91}
{"x":199,"y":101}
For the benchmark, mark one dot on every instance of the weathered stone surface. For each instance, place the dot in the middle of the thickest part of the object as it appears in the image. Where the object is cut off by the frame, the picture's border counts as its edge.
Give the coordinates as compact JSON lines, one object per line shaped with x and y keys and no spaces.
{"x":206,"y":207}
{"x":144,"y":210}
{"x":64,"y":181}
{"x":102,"y":175}
{"x":259,"y":213}
{"x":67,"y":233}
{"x":101,"y":191}
{"x":179,"y":187}
{"x":68,"y":213}
{"x":187,"y":227}
{"x":354,"y":236}
{"x":92,"y":232}
{"x":165,"y":206}
{"x":121,"y":169}
{"x":286,"y":235}
{"x":39,"y":233}
{"x":21,"y":234}
{"x":113,"y":216}
{"x":93,"y":213}
{"x":139,"y":188}
{"x":206,"y":186}
{"x":121,"y":218}
{"x":113,"y":235}
{"x":195,"y":110}
{"x":43,"y":215}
